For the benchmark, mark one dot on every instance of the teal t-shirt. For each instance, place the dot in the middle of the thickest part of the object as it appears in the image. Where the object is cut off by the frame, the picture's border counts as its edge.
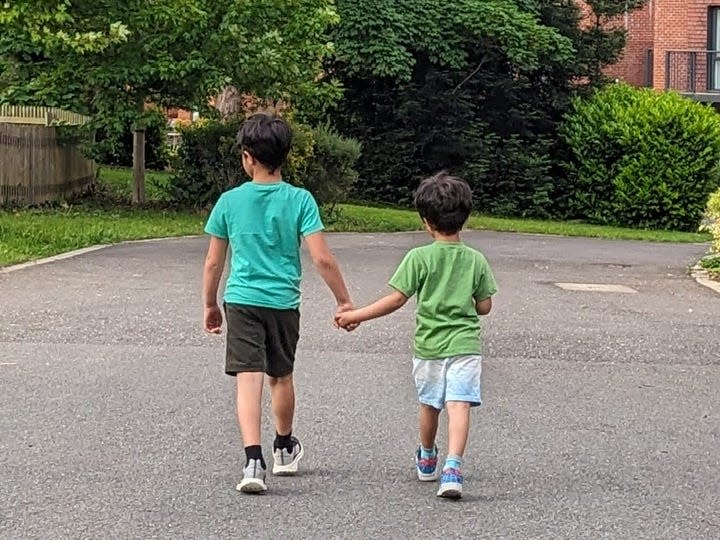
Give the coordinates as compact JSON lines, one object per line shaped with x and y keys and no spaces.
{"x":264,"y":224}
{"x":448,"y":277}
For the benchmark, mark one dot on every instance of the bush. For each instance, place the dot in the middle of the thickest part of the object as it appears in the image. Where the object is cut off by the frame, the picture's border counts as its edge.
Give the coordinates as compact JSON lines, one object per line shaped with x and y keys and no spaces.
{"x":330,"y":173}
{"x":117,"y":149}
{"x":713,"y":213}
{"x":208,"y":163}
{"x":641,"y":158}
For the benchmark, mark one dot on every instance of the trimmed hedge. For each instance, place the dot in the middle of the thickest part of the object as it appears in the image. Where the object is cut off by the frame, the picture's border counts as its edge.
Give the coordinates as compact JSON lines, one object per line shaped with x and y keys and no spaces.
{"x":640,"y":158}
{"x":208,"y":163}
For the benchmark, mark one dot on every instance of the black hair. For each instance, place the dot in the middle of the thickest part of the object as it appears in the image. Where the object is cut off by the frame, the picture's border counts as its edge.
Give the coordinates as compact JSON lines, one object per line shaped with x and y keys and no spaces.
{"x":266,"y":138}
{"x":445,"y":202}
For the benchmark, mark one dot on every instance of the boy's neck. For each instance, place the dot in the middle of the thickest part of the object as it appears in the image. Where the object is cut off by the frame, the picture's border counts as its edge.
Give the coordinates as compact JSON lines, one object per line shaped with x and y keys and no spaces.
{"x":450,"y":238}
{"x":266,"y":177}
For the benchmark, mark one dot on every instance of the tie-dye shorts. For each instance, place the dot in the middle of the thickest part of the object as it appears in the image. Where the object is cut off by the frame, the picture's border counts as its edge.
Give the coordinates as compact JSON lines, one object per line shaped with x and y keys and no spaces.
{"x":456,"y":378}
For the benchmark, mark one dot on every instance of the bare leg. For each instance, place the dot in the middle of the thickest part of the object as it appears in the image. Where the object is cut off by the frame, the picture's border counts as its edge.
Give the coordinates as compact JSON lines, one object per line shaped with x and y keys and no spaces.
{"x":458,"y":427}
{"x":249,"y":406}
{"x":282,"y":391}
{"x":428,"y":425}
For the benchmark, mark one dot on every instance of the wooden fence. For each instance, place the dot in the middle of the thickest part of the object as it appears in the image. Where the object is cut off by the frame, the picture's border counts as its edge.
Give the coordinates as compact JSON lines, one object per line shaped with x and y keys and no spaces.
{"x":36,"y":165}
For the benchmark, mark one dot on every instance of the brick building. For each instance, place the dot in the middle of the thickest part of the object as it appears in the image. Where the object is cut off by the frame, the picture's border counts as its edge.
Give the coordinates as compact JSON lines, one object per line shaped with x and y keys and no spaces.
{"x":673,"y":44}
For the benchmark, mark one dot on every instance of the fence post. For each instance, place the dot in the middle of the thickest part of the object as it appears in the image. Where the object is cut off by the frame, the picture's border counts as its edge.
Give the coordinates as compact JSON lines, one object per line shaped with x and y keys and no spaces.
{"x":667,"y":69}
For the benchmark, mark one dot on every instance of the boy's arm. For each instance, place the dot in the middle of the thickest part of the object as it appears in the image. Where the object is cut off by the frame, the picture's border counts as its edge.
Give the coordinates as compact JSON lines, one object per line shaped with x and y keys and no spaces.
{"x":386,"y":305}
{"x":327,"y":266}
{"x":484,"y":306}
{"x":214,"y":266}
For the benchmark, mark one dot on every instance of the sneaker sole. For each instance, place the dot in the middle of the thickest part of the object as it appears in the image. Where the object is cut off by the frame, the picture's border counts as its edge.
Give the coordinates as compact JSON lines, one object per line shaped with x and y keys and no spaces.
{"x":426,"y":477}
{"x":450,"y":491}
{"x":291,"y":468}
{"x":251,"y":485}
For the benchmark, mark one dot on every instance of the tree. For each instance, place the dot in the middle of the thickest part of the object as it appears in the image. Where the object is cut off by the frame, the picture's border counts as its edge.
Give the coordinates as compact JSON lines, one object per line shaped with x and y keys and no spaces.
{"x":111,"y":59}
{"x":479,"y":87}
{"x":456,"y":85}
{"x":602,"y":41}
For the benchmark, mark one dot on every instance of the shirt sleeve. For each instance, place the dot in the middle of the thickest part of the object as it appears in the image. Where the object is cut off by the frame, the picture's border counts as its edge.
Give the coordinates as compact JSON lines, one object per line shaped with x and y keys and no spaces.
{"x":409,"y":276}
{"x":310,"y":221}
{"x":217,"y":222}
{"x":485,"y":285}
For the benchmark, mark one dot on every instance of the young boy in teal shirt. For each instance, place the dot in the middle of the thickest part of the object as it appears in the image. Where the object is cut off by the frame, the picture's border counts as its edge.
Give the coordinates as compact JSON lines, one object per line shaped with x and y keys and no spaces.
{"x":453,"y":284}
{"x":264,"y":222}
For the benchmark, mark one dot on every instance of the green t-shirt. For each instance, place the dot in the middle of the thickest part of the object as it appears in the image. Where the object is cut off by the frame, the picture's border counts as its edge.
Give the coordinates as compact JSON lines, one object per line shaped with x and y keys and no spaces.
{"x":264,"y":224}
{"x":448,"y":278}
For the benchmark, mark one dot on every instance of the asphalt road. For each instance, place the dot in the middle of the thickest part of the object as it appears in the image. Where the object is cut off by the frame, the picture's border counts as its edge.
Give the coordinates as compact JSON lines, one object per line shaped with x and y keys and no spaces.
{"x":601,"y":415}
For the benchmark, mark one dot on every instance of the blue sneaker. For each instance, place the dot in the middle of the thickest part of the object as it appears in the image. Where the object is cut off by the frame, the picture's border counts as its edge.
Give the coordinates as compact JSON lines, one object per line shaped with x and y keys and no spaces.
{"x":451,"y":482}
{"x":426,"y":467}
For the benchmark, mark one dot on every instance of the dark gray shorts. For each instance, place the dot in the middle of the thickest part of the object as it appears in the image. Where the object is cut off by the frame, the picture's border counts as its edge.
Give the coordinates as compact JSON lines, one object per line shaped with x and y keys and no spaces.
{"x":261,"y":340}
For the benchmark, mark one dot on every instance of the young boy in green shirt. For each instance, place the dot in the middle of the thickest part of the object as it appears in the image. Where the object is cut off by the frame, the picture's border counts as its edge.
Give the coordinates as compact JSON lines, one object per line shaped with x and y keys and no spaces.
{"x":454,"y":284}
{"x":263,"y":222}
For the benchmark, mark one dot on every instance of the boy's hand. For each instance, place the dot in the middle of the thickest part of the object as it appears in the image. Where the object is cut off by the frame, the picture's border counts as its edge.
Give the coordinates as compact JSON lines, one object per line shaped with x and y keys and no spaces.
{"x":213,"y":320}
{"x":344,"y":310}
{"x":347,"y":321}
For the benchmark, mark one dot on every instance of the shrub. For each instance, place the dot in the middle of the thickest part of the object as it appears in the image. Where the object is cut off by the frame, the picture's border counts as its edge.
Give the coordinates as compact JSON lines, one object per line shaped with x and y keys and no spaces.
{"x":117,"y":148}
{"x":208,"y":163}
{"x":713,"y":213}
{"x":641,"y":158}
{"x":330,"y":173}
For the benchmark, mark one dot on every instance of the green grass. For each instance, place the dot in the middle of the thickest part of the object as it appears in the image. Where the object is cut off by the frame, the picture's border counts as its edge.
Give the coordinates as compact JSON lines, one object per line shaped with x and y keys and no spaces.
{"x":711,"y":263}
{"x":28,"y":234}
{"x":118,"y":181}
{"x":372,"y":219}
{"x":32,"y":234}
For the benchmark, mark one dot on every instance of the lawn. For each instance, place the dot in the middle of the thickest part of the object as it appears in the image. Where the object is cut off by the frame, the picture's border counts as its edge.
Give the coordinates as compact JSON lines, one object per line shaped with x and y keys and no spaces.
{"x":32,"y":234}
{"x":374,"y":219}
{"x":119,"y":181}
{"x":28,"y":234}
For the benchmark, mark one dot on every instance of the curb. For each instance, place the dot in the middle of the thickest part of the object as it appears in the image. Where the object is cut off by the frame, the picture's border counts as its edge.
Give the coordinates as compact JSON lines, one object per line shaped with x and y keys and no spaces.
{"x":83,"y":251}
{"x":702,"y":277}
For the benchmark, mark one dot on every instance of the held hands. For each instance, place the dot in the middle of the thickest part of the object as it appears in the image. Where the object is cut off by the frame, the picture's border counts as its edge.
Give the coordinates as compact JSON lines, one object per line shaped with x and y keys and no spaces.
{"x":213,"y":320}
{"x":344,"y":318}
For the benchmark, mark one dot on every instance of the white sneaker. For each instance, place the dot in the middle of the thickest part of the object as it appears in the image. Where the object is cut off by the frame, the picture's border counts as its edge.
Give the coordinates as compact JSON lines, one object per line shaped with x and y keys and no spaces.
{"x":253,"y":478}
{"x":286,"y":462}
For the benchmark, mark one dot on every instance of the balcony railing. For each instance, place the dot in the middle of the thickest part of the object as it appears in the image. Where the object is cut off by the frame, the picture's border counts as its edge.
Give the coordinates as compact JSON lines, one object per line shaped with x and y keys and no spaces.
{"x":693,"y":72}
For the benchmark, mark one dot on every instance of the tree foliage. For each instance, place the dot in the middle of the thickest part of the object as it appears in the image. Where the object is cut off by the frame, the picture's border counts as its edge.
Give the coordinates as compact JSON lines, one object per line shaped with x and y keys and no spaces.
{"x":109,"y":59}
{"x":476,"y":87}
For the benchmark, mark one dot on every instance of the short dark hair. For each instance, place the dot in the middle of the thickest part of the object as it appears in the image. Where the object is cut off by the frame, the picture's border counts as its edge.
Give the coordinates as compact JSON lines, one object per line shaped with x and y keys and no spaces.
{"x":445,"y":202}
{"x":267,"y":138}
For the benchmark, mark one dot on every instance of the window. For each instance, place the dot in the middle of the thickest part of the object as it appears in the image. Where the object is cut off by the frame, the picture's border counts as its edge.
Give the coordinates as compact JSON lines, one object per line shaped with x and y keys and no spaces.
{"x":713,"y":60}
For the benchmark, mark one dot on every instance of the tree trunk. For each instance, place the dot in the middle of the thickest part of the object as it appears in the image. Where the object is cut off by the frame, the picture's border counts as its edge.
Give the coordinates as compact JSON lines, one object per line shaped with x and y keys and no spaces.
{"x":229,"y":103}
{"x":138,"y":166}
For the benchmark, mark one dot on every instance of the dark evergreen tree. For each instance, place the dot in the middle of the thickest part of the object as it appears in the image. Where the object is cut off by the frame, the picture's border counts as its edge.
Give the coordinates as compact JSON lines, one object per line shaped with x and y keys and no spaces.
{"x":475,"y":87}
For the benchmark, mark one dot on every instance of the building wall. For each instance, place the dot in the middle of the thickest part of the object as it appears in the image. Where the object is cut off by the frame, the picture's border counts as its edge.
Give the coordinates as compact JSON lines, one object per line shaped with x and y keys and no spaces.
{"x":680,"y":25}
{"x":634,"y":63}
{"x":661,"y":26}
